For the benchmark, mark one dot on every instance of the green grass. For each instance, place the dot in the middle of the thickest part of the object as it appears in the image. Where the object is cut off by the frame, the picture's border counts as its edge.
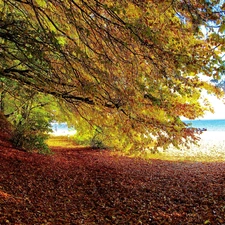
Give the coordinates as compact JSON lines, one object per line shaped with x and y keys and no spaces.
{"x":61,"y":141}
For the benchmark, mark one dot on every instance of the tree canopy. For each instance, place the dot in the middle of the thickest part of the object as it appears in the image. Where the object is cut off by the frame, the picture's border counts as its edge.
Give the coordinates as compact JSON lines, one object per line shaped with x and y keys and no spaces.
{"x":127,"y":69}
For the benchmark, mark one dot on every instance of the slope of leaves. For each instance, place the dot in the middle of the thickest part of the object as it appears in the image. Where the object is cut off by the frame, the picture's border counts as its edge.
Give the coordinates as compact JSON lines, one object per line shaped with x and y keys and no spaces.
{"x":85,"y":186}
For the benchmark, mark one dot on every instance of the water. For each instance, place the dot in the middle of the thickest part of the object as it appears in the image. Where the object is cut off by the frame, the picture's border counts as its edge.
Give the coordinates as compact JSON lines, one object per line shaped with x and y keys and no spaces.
{"x":210,"y":125}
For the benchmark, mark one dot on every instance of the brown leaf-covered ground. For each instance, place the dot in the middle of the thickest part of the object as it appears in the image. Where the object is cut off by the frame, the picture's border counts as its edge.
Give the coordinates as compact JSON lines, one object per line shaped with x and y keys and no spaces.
{"x":85,"y":186}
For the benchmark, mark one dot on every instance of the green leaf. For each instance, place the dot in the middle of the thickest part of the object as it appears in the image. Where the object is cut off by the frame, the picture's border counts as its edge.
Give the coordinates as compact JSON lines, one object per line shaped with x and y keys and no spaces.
{"x":222,"y":28}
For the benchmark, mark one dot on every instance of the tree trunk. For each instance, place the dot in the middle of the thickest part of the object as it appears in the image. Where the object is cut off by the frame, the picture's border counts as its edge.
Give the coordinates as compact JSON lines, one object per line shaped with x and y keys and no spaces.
{"x":2,"y":104}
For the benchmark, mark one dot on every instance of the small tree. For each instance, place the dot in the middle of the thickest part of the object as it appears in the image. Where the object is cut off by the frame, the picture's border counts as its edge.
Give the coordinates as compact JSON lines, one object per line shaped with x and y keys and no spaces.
{"x":30,"y":135}
{"x":30,"y":114}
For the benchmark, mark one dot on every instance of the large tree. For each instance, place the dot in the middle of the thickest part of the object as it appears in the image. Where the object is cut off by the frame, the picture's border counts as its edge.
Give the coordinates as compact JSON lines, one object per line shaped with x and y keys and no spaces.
{"x":130,"y":68}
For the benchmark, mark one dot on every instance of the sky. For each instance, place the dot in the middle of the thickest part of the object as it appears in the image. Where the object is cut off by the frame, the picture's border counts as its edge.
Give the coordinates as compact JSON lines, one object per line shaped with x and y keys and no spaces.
{"x":217,"y":104}
{"x":219,"y":108}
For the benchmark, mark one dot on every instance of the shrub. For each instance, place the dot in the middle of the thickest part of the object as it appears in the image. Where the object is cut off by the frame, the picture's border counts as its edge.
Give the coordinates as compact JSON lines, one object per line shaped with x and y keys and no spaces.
{"x":97,"y":144}
{"x":31,"y":135}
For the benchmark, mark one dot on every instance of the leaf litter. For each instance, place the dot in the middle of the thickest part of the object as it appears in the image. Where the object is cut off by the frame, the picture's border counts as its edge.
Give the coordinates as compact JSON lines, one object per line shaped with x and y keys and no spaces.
{"x":86,"y":186}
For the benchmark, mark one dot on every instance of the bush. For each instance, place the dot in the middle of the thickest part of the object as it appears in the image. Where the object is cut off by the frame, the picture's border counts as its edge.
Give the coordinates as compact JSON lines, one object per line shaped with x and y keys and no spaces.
{"x":31,"y":135}
{"x":97,"y":144}
{"x":94,"y":142}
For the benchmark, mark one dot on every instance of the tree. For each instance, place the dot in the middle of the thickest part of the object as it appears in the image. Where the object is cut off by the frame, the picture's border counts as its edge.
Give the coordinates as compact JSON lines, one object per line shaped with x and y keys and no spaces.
{"x":128,"y":67}
{"x":29,"y":113}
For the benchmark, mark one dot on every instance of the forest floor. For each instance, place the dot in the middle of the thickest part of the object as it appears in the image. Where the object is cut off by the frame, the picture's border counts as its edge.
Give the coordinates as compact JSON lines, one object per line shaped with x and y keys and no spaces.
{"x":77,"y":185}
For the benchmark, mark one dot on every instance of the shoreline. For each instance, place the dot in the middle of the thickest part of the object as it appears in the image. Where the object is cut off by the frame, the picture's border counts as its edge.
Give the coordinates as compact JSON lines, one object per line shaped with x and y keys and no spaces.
{"x":212,"y":135}
{"x":211,"y":145}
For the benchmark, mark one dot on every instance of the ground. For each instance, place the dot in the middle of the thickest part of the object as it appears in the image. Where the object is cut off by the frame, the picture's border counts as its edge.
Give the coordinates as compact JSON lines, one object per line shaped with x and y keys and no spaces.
{"x":78,"y":185}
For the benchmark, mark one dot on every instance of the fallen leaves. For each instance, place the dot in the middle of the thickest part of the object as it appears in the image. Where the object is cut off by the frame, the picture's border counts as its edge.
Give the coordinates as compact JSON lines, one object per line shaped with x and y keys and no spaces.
{"x":85,"y":186}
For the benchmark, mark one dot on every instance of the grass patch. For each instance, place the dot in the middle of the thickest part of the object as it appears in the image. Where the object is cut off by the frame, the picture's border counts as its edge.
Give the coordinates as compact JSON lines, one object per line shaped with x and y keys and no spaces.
{"x":61,"y":141}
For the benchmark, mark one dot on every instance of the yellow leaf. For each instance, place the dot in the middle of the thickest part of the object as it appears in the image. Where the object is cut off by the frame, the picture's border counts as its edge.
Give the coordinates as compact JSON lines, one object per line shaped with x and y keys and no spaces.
{"x":222,"y":28}
{"x":61,"y":40}
{"x":41,"y":3}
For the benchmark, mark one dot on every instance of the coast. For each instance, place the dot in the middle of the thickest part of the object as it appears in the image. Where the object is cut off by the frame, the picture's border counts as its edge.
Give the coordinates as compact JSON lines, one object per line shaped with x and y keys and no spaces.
{"x":213,"y":136}
{"x":211,"y":146}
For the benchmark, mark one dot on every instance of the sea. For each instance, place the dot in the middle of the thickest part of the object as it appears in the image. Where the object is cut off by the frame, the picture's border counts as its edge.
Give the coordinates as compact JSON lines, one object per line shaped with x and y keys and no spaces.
{"x":210,"y":125}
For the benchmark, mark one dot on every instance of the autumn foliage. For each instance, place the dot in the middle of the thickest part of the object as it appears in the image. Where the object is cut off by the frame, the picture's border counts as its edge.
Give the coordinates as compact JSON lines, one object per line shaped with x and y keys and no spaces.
{"x":127,"y":68}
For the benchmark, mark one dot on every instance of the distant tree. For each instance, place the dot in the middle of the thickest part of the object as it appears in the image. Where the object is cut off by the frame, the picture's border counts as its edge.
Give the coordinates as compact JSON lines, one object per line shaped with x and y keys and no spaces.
{"x":130,"y":68}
